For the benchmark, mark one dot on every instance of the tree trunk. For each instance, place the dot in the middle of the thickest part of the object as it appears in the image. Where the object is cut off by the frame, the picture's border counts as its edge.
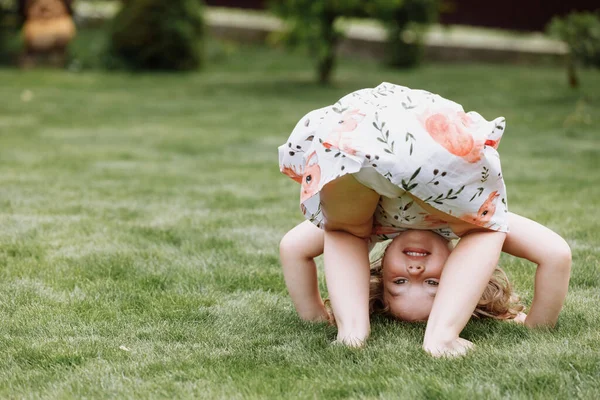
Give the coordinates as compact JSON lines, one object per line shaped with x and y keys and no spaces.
{"x":22,"y":6}
{"x":326,"y":68}
{"x":326,"y":62}
{"x":572,"y":72}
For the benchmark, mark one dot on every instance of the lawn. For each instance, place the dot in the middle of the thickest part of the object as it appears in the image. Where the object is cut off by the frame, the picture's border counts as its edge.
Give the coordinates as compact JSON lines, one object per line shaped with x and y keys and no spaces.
{"x":141,"y":214}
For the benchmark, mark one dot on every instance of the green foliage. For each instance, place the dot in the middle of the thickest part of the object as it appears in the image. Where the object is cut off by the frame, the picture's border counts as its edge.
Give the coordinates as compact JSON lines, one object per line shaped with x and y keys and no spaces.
{"x":312,"y":25}
{"x":2,"y":28}
{"x":406,"y":22}
{"x":157,"y":35}
{"x":9,"y":24}
{"x":88,"y":50}
{"x":581,"y":32}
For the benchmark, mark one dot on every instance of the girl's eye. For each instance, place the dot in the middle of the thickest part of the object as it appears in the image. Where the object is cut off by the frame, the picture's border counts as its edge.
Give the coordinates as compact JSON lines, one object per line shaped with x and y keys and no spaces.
{"x":431,"y":282}
{"x":308,"y":179}
{"x":400,"y":281}
{"x":484,"y":213}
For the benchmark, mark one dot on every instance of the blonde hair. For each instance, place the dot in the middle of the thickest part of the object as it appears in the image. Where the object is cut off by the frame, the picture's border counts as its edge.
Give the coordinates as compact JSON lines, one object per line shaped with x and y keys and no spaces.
{"x":498,"y":300}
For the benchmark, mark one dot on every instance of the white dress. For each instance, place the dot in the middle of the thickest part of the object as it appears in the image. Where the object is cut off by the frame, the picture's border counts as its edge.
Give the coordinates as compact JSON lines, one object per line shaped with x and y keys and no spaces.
{"x":396,"y":141}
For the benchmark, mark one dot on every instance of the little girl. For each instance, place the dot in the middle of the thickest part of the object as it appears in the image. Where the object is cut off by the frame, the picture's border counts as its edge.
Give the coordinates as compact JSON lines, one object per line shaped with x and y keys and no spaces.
{"x":394,"y":162}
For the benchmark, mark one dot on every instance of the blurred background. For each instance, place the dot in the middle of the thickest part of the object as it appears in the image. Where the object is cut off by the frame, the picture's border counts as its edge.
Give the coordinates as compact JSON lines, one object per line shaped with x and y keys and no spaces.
{"x":185,"y":34}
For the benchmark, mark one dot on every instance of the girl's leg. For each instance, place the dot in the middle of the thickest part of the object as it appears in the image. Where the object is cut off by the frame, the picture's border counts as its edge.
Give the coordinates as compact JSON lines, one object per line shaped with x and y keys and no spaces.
{"x":348,"y":208}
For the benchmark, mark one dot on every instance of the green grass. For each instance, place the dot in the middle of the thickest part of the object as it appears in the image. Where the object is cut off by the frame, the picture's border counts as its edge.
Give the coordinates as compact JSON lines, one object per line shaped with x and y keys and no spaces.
{"x":145,"y":211}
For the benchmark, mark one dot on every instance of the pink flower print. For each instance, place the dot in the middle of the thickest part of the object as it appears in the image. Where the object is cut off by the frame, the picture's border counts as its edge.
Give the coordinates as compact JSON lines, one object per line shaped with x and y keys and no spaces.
{"x":303,"y":209}
{"x":454,"y":131}
{"x":492,"y":143}
{"x":290,"y":170}
{"x":433,"y":221}
{"x":339,"y":137}
{"x":493,"y":139}
{"x":485,"y":213}
{"x":311,"y":178}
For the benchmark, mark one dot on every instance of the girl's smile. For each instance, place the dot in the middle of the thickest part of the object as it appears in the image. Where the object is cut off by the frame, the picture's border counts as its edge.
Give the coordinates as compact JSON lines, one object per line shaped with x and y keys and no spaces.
{"x":412,"y":267}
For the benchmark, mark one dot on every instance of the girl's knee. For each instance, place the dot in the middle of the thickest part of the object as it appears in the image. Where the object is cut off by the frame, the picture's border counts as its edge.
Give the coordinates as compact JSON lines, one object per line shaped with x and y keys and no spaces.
{"x":349,"y":206}
{"x":287,"y":244}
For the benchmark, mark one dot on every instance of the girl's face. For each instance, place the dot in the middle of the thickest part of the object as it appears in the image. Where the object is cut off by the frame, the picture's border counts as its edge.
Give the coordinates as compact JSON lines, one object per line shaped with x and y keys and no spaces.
{"x":412,"y":267}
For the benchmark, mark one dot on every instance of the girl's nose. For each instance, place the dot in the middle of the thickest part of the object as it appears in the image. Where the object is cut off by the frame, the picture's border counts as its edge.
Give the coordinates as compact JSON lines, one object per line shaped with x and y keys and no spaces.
{"x":415,"y":269}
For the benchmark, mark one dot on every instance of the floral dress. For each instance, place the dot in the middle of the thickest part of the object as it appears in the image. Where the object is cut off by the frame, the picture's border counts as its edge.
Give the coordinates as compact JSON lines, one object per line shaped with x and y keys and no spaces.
{"x":402,"y":143}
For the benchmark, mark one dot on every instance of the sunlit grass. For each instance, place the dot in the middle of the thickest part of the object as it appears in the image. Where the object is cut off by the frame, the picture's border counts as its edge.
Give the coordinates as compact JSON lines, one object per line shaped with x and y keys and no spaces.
{"x":140,"y":217}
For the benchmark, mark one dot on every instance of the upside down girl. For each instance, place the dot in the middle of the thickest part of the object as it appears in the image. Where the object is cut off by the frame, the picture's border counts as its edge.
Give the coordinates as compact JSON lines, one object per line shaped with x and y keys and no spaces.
{"x":413,"y":167}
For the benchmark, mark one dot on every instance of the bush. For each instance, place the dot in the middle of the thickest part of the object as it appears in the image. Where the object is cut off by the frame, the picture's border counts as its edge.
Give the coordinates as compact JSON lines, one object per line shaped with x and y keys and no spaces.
{"x":2,"y":28}
{"x":581,"y":33}
{"x":157,"y":35}
{"x":9,"y":25}
{"x":312,"y":25}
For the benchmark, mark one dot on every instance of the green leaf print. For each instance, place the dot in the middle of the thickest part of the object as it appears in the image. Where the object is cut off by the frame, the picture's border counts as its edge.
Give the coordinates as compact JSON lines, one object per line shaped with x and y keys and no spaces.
{"x":315,"y":217}
{"x":408,"y":186}
{"x":391,"y":149}
{"x":410,"y":137}
{"x":451,"y":195}
{"x":339,"y":110}
{"x":414,"y":175}
{"x":408,"y":105}
{"x":478,"y":193}
{"x":384,"y":138}
{"x":485,"y":174}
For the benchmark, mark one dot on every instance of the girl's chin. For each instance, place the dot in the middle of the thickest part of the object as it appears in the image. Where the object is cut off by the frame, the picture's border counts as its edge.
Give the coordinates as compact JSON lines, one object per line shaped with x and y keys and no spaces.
{"x":420,"y":242}
{"x":417,"y":238}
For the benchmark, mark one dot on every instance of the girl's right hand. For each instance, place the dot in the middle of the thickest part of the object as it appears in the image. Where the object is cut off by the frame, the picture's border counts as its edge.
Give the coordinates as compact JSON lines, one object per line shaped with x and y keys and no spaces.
{"x":455,"y":348}
{"x":520,"y":318}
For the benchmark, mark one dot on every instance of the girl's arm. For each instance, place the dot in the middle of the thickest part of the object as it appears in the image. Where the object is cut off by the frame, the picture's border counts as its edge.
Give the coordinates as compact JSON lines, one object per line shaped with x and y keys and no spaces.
{"x":297,"y":250}
{"x":464,"y":278}
{"x":538,"y":244}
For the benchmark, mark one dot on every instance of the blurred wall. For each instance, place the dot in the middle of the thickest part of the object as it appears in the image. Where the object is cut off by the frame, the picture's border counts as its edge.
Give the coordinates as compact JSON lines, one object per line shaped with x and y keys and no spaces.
{"x":527,"y":15}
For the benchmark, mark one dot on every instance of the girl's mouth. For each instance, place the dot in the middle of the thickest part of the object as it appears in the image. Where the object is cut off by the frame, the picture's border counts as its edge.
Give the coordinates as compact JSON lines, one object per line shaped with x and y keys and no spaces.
{"x":416,"y":252}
